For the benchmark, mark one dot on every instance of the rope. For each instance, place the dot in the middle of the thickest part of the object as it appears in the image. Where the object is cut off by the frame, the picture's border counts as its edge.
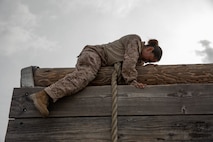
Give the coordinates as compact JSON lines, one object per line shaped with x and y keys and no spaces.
{"x":115,"y":76}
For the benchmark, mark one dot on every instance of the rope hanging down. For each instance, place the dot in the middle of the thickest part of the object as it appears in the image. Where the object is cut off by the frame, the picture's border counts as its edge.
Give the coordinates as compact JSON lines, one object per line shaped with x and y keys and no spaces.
{"x":115,"y":76}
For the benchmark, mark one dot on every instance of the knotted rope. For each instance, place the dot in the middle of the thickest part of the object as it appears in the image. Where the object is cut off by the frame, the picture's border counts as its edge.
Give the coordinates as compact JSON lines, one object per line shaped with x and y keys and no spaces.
{"x":115,"y":76}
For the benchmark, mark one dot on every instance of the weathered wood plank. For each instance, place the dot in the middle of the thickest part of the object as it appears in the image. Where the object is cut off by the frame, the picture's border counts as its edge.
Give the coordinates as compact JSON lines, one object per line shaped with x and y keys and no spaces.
{"x":182,"y":128}
{"x":27,"y":79}
{"x":151,"y":75}
{"x":96,"y":101}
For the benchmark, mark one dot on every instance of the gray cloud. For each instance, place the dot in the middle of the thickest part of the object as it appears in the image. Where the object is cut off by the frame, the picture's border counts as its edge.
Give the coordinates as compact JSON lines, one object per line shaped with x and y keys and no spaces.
{"x":117,"y":8}
{"x":207,"y":52}
{"x":17,"y":30}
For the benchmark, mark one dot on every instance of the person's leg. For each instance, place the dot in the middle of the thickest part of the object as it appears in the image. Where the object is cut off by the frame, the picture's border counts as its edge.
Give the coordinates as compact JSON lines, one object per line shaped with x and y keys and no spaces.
{"x":86,"y":70}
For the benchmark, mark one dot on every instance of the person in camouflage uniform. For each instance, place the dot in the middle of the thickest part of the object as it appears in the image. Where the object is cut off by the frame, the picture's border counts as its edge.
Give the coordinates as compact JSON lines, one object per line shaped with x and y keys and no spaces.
{"x":129,"y":49}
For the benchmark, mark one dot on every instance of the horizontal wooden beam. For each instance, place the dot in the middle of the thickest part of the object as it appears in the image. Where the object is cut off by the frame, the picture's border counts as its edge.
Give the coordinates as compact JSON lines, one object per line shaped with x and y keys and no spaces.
{"x":174,"y":99}
{"x":190,"y":128}
{"x":150,"y":74}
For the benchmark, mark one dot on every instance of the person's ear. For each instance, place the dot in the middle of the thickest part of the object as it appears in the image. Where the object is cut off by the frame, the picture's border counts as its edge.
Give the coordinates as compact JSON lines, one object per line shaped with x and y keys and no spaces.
{"x":150,"y":49}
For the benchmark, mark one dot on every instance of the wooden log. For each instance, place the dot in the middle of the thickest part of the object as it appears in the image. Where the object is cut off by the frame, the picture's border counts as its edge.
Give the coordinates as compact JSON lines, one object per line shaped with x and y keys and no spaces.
{"x":190,"y":128}
{"x":150,"y":74}
{"x":177,"y":99}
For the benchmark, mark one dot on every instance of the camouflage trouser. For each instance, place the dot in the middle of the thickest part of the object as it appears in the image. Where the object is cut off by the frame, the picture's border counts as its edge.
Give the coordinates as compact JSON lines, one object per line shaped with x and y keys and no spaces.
{"x":87,"y":67}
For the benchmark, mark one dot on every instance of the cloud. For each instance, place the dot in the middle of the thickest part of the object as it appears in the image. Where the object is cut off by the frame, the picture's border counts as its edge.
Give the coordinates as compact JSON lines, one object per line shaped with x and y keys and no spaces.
{"x":17,"y":30}
{"x":119,"y":8}
{"x":207,"y":53}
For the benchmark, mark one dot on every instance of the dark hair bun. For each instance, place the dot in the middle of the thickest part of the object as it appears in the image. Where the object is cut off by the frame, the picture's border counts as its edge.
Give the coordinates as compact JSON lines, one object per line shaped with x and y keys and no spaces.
{"x":153,"y":42}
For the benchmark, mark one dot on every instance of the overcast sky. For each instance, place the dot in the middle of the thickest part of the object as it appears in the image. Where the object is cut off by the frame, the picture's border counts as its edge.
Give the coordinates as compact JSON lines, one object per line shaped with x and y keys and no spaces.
{"x":51,"y":33}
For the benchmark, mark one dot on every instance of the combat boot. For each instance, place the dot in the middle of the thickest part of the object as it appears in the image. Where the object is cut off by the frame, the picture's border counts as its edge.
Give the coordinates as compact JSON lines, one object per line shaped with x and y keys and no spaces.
{"x":41,"y":102}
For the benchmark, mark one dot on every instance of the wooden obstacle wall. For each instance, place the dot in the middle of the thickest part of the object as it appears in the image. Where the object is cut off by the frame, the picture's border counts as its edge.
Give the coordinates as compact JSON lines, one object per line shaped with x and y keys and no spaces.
{"x":168,"y":112}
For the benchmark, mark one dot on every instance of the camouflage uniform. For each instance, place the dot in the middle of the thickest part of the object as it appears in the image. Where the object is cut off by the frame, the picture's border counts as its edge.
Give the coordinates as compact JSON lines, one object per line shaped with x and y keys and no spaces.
{"x":126,"y":50}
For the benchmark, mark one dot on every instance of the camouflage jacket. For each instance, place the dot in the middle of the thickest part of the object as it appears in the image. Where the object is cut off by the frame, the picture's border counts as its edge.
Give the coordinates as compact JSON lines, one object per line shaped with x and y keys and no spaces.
{"x":127,"y":50}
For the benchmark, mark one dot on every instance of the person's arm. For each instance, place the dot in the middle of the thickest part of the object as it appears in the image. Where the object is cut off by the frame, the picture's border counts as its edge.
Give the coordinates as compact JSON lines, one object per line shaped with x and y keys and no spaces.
{"x":129,"y":71}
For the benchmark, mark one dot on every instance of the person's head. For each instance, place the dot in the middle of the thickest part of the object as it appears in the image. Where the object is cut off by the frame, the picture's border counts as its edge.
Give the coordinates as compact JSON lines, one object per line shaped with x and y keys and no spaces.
{"x":152,"y":51}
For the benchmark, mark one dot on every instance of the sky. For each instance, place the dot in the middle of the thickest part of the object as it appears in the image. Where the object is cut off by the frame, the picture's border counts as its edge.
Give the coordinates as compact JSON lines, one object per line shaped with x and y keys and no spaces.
{"x":52,"y":33}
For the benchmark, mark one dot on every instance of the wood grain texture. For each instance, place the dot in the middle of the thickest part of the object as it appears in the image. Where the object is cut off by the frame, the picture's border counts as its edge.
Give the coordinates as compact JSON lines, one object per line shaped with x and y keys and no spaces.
{"x":151,"y":75}
{"x":178,"y":110}
{"x":96,"y":101}
{"x":27,"y":78}
{"x":181,"y":128}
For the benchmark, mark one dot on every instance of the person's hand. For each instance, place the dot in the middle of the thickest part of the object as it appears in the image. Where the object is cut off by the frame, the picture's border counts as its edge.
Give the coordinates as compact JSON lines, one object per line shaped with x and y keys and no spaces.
{"x":138,"y":85}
